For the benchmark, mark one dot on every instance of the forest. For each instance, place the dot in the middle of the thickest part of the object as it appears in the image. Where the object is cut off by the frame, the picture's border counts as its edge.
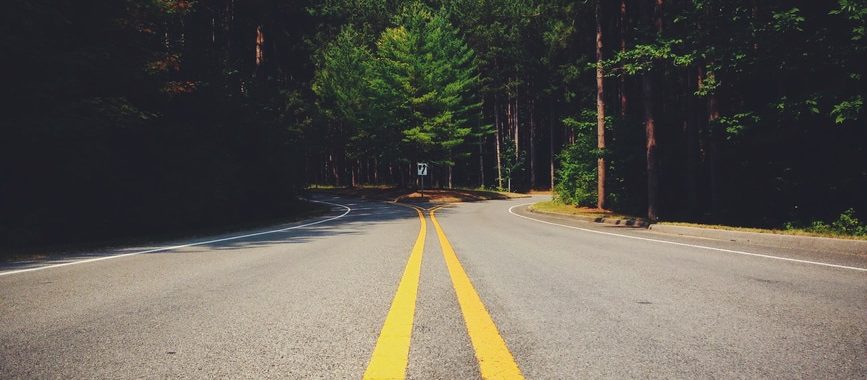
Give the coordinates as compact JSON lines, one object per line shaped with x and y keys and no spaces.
{"x":154,"y":115}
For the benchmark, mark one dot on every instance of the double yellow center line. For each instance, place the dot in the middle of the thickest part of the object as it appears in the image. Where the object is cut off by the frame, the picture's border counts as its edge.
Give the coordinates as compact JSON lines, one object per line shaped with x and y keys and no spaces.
{"x":391,"y":354}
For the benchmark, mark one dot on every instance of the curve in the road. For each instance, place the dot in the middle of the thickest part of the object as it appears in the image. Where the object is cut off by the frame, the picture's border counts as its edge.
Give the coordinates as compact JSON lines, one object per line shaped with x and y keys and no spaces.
{"x":512,"y":211}
{"x":169,"y":248}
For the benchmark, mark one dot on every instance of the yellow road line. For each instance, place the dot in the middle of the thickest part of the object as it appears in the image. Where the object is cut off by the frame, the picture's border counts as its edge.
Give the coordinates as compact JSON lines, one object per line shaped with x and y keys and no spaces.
{"x":391,"y":354}
{"x":495,"y":360}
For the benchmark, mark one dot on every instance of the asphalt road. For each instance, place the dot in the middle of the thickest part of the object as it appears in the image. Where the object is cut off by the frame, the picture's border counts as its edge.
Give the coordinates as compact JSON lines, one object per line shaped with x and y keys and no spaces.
{"x":488,"y":292}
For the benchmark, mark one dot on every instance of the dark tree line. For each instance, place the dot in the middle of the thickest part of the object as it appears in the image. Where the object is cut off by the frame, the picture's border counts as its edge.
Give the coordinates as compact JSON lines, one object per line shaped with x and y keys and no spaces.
{"x":165,"y":114}
{"x":753,"y":111}
{"x":127,"y":117}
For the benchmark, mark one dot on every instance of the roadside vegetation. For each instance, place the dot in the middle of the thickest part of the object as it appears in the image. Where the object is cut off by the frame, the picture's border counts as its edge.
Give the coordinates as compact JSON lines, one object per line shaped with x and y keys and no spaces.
{"x":723,"y":113}
{"x":558,"y":207}
{"x":846,"y":226}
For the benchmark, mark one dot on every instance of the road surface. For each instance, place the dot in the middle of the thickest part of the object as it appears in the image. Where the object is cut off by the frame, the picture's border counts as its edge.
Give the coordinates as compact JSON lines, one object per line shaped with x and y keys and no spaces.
{"x":479,"y":290}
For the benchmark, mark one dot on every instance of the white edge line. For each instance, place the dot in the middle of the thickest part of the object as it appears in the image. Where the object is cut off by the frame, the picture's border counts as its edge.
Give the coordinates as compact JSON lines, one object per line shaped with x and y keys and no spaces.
{"x":348,"y":210}
{"x":511,"y":211}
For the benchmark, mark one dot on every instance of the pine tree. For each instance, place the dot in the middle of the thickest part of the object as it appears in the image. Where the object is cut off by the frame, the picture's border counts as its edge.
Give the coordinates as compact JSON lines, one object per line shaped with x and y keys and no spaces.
{"x":426,"y":76}
{"x":340,"y":84}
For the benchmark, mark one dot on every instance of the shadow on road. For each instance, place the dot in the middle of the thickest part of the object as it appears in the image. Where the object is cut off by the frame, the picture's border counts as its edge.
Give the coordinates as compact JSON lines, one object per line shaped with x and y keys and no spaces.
{"x":364,"y":214}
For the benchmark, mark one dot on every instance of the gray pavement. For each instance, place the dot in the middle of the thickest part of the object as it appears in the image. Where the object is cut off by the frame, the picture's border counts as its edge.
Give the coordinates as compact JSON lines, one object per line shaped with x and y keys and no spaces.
{"x":570,"y":303}
{"x":573,"y":303}
{"x":307,"y":303}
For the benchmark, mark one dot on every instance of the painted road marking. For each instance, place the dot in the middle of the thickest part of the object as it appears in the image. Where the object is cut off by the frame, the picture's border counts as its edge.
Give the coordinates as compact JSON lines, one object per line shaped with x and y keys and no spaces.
{"x":495,"y":360}
{"x":512,"y":211}
{"x":391,"y":354}
{"x":161,"y":249}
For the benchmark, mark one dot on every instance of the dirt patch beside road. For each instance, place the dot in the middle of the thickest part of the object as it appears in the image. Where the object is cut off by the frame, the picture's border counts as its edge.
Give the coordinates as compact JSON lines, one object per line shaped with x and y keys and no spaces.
{"x":437,"y":196}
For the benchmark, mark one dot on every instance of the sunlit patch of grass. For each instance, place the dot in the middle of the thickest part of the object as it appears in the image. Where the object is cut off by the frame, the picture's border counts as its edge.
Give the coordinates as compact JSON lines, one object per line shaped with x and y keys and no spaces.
{"x":793,"y":231}
{"x":562,"y":208}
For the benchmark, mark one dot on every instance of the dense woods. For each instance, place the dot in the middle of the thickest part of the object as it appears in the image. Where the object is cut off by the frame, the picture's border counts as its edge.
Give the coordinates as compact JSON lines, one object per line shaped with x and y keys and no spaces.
{"x":128,"y":117}
{"x":161,"y":114}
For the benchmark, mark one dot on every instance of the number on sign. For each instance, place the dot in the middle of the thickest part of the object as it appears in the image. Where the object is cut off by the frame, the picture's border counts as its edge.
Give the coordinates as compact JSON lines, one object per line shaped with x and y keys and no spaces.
{"x":422,"y":168}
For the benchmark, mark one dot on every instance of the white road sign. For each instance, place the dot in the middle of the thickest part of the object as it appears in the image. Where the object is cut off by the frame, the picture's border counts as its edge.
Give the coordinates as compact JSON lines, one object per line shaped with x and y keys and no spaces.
{"x":422,"y":168}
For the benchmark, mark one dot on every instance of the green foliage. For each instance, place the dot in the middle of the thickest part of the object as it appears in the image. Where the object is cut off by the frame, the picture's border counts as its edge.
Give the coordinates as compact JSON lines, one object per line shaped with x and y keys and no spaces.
{"x":415,"y":92}
{"x":736,"y":125}
{"x":847,"y":110}
{"x":576,"y":176}
{"x":846,"y":224}
{"x":340,"y":80}
{"x":788,"y":20}
{"x":856,"y":13}
{"x":514,"y":165}
{"x":819,"y":227}
{"x":643,"y":58}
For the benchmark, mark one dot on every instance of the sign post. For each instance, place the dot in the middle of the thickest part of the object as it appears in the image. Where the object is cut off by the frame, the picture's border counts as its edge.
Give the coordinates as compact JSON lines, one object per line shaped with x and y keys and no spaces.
{"x":421,"y":168}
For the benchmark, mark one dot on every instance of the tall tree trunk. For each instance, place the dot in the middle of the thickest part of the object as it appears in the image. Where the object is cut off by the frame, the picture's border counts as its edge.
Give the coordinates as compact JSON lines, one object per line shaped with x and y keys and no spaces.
{"x":600,"y":113}
{"x":335,"y":169}
{"x":570,"y":134}
{"x":230,"y":58}
{"x":650,"y":146}
{"x":755,"y":23}
{"x":259,"y":73}
{"x":691,"y":122}
{"x":532,"y":145}
{"x":411,"y":174}
{"x":260,"y":46}
{"x":353,"y":170}
{"x":650,"y":127}
{"x":404,"y":181}
{"x":509,"y":118}
{"x":713,"y":115}
{"x":517,"y":127}
{"x":624,"y":23}
{"x":482,"y":140}
{"x":367,"y":171}
{"x":657,"y":16}
{"x":332,"y":165}
{"x":497,"y":143}
{"x":551,"y":149}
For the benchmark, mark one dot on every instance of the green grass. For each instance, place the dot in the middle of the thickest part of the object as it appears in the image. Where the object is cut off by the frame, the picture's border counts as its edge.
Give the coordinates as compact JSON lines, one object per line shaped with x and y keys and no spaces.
{"x":490,"y":192}
{"x":562,"y":208}
{"x":794,"y":231}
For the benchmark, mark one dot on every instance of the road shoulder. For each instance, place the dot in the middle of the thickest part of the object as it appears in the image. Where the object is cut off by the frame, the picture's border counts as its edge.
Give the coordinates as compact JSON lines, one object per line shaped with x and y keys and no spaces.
{"x":805,"y":254}
{"x":767,"y":239}
{"x":845,"y":246}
